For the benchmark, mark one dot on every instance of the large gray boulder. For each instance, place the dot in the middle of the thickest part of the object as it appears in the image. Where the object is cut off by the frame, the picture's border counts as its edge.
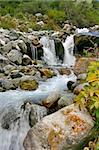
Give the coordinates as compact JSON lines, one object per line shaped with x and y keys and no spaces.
{"x":15,"y":56}
{"x":66,"y":99}
{"x":61,"y":130}
{"x":37,"y":112}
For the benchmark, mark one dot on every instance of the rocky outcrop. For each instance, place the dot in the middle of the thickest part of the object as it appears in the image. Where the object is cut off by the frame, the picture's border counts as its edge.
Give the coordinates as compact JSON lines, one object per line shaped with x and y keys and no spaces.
{"x":85,"y":41}
{"x":63,"y":129}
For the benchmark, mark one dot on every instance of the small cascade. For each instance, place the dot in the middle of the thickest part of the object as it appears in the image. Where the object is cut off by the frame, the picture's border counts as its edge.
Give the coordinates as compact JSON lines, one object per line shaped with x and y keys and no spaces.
{"x":82,"y":30}
{"x":68,"y":45}
{"x":13,"y":134}
{"x":49,"y":55}
{"x":34,"y":52}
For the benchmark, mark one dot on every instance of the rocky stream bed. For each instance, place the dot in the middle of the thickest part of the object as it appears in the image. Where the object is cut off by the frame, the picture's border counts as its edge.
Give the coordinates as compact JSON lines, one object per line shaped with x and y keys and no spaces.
{"x":39,"y":79}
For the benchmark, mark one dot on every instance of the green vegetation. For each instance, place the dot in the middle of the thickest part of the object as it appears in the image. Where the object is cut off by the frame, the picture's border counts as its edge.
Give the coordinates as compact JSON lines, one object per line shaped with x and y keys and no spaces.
{"x":89,"y":98}
{"x":21,"y":14}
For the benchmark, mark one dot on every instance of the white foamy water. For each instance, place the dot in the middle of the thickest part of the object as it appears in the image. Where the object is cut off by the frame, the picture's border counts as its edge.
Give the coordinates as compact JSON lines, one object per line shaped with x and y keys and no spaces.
{"x":12,"y":138}
{"x":69,"y":59}
{"x":48,"y":50}
{"x":82,"y":30}
{"x":34,"y":52}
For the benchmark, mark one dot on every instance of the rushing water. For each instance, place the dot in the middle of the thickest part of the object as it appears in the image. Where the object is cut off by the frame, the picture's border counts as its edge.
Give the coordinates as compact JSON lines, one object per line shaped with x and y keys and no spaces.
{"x":50,"y":54}
{"x":14,"y":120}
{"x":34,"y":52}
{"x":49,"y":50}
{"x":12,"y":138}
{"x":68,"y":45}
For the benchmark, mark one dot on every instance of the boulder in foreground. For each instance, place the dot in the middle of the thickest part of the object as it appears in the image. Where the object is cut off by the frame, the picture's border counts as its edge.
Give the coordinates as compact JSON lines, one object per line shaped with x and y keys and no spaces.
{"x":61,"y":130}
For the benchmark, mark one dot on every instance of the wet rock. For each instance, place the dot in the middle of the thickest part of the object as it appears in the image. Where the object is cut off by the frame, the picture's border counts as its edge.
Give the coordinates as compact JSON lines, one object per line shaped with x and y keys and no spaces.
{"x":71,"y":85}
{"x":61,"y":130}
{"x":36,"y":114}
{"x":28,"y":83}
{"x":65,"y":71}
{"x":47,"y":72}
{"x":79,"y":88}
{"x":51,"y":99}
{"x":15,"y":56}
{"x":8,"y":118}
{"x":66,"y":100}
{"x":26,"y":60}
{"x":58,"y":47}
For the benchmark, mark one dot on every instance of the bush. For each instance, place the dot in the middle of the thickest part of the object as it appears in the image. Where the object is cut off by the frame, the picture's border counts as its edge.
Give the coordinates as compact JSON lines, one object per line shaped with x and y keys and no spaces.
{"x":57,"y":15}
{"x":89,"y":96}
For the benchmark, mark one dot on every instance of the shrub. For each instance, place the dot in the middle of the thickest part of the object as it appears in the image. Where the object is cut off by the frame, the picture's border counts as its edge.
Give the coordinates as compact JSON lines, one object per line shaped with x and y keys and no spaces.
{"x":89,"y":97}
{"x":57,"y":15}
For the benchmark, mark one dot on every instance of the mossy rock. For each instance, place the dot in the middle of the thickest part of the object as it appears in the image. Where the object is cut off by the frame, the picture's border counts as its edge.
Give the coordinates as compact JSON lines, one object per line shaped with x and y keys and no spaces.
{"x":47,"y":72}
{"x":29,"y":84}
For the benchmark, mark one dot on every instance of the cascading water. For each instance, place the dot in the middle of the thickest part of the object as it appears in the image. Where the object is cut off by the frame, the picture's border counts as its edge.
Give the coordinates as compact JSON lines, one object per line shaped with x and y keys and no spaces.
{"x":14,"y":121}
{"x":49,"y":50}
{"x":13,"y":128}
{"x":69,"y":59}
{"x":50,"y":55}
{"x":34,"y":52}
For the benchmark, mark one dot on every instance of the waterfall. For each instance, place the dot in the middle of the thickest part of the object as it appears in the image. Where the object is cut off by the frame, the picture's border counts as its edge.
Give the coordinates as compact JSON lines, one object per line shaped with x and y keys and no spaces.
{"x":49,"y":55}
{"x":34,"y":52}
{"x":68,"y":45}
